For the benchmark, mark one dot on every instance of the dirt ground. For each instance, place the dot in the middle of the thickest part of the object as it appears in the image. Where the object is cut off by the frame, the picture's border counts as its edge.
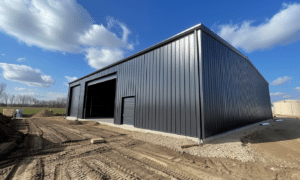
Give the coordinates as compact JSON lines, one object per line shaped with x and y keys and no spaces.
{"x":55,"y":148}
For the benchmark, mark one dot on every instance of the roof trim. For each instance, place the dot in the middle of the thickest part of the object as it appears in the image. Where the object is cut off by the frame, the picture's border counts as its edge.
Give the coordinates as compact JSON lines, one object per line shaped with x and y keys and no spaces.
{"x":177,"y":36}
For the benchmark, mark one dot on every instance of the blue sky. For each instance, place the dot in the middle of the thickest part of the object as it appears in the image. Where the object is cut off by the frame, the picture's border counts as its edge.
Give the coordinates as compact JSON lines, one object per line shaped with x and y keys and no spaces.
{"x":44,"y":44}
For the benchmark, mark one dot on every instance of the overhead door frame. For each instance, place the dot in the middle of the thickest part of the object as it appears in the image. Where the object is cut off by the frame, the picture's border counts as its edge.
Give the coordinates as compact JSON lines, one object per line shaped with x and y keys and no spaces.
{"x":122,"y":111}
{"x":102,"y":79}
{"x":97,"y":81}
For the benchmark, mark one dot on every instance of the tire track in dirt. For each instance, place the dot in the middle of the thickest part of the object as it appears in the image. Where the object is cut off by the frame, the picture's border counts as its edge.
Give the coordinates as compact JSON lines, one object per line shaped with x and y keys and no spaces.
{"x":51,"y":134}
{"x":76,"y":132}
{"x":154,"y":166}
{"x":75,"y":171}
{"x":97,"y":171}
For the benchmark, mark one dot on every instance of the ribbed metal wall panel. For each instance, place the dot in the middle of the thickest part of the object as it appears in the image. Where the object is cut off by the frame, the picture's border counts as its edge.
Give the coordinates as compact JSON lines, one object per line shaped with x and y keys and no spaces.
{"x":165,"y":85}
{"x":75,"y":91}
{"x":234,"y":93}
{"x":129,"y":111}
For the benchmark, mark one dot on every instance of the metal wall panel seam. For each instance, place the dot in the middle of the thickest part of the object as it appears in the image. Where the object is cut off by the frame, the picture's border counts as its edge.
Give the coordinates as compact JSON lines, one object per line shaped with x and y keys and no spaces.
{"x":145,"y":98}
{"x":161,"y":93}
{"x":187,"y":87}
{"x":144,"y":81}
{"x":192,"y":85}
{"x":173,"y":59}
{"x":169,"y":89}
{"x":178,"y":108}
{"x":151,"y":70}
{"x":165,"y":89}
{"x":159,"y":98}
{"x":138,"y":92}
{"x":152,"y":88}
{"x":182,"y":87}
{"x":148,"y":106}
{"x":156,"y":89}
{"x":198,"y":45}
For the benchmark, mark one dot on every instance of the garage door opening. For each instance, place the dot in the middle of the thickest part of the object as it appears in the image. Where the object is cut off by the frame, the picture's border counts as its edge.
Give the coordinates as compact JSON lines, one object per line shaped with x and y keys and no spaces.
{"x":100,"y":100}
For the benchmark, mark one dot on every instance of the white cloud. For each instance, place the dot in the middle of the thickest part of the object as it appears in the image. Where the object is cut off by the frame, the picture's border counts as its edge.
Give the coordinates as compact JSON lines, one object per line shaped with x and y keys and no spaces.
{"x":282,"y":29}
{"x":63,"y":26}
{"x":287,"y":96}
{"x":20,"y":89}
{"x":281,"y":81}
{"x":98,"y":58}
{"x":2,"y":54}
{"x":277,"y":94}
{"x":27,"y":75}
{"x":21,"y":59}
{"x":69,"y":79}
{"x":297,"y":89}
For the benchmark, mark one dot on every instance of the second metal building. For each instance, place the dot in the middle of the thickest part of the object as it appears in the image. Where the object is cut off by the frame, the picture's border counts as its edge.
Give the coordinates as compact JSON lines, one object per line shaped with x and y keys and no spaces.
{"x":193,"y":84}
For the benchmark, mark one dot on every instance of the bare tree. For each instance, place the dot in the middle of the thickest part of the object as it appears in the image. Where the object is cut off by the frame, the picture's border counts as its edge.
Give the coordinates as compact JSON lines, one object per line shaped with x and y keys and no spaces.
{"x":18,"y":99}
{"x":2,"y":89}
{"x":12,"y":99}
{"x":5,"y":98}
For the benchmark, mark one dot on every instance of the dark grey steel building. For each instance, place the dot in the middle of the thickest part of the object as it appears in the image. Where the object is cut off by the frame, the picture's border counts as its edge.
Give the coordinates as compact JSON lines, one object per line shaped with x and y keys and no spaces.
{"x":193,"y":84}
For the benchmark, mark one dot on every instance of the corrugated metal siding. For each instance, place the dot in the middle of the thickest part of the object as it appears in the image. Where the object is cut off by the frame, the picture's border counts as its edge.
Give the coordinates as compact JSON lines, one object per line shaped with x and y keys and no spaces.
{"x":165,"y":83}
{"x":128,"y":111}
{"x":75,"y":91}
{"x":234,"y":93}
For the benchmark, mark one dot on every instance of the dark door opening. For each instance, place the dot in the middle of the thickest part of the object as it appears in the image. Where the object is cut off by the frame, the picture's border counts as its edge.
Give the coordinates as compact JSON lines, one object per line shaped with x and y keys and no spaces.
{"x":100,"y":100}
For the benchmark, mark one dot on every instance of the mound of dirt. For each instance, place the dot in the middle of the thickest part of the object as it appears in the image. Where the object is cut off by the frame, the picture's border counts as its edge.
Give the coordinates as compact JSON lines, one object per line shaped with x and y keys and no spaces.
{"x":4,"y":118}
{"x":44,"y":113}
{"x":6,"y":130}
{"x":76,"y":122}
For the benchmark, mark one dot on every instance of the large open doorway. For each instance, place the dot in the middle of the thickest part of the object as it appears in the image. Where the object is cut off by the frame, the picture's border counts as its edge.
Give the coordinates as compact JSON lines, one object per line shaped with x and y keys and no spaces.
{"x":100,"y":100}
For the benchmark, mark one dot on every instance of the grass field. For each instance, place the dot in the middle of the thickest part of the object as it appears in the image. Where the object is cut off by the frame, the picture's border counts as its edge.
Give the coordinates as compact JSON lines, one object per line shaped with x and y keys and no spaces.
{"x":34,"y":110}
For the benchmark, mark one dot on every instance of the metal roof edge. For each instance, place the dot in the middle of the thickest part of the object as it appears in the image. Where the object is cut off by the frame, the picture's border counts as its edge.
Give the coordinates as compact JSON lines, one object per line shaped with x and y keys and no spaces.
{"x":183,"y":33}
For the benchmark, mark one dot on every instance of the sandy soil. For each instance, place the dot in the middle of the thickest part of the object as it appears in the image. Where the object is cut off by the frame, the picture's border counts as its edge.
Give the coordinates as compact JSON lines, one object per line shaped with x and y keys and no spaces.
{"x":54,"y":148}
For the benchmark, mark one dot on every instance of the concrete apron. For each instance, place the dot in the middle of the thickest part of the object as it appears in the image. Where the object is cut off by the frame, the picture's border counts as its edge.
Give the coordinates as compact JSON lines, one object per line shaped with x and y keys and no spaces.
{"x":109,"y":122}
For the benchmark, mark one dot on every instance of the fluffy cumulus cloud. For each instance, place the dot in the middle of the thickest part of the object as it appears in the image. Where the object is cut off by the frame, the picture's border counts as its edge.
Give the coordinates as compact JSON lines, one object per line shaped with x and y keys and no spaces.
{"x":100,"y":57}
{"x":27,"y":75}
{"x":283,"y":28}
{"x":298,"y":89}
{"x":63,"y":26}
{"x":21,"y":59}
{"x":281,"y":81}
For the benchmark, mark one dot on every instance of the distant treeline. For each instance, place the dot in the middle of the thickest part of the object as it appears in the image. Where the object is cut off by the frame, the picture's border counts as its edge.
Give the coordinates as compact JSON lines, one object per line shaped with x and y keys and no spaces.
{"x":26,"y":100}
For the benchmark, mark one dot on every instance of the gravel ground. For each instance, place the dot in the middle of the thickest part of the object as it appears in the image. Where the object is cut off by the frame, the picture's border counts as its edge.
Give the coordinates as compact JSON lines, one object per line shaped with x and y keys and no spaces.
{"x":227,"y":145}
